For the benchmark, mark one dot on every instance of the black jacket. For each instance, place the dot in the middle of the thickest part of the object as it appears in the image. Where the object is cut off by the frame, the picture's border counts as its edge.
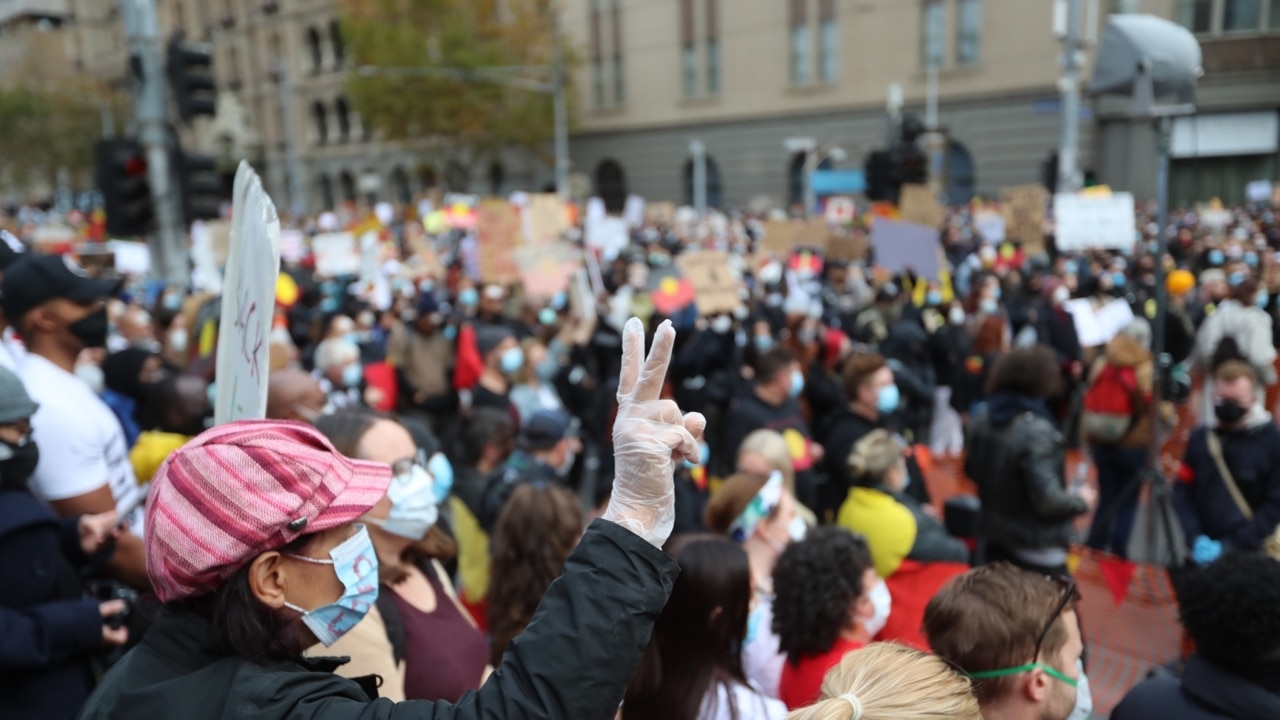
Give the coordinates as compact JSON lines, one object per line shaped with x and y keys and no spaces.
{"x":1204,"y":692}
{"x":1016,"y":455}
{"x":1204,"y":503}
{"x":48,"y":631}
{"x":574,"y":660}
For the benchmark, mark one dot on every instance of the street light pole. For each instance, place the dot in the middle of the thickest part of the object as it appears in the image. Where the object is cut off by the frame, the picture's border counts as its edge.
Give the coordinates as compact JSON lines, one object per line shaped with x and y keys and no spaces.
{"x":1069,"y":147}
{"x":561,"y":101}
{"x":699,"y":152}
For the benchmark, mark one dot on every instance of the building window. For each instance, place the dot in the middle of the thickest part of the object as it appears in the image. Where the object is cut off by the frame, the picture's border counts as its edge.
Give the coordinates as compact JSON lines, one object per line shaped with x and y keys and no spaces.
{"x":688,"y":50}
{"x":619,"y":67}
{"x":456,"y":177}
{"x":348,"y":183}
{"x":933,"y":30}
{"x":713,"y":47}
{"x":1195,"y":15}
{"x":335,"y":36}
{"x":326,"y":192}
{"x":828,"y":42}
{"x":800,"y":43}
{"x":317,"y":50}
{"x":715,"y":192}
{"x":344,"y":120}
{"x":320,"y":117}
{"x":597,"y":56}
{"x":969,"y":32}
{"x":1238,"y":15}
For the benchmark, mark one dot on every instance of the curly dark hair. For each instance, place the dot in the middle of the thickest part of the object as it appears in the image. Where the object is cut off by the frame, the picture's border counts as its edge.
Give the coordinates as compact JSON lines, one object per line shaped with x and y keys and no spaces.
{"x":815,"y":584}
{"x":1031,"y":371}
{"x":536,"y":530}
{"x":1229,"y":609}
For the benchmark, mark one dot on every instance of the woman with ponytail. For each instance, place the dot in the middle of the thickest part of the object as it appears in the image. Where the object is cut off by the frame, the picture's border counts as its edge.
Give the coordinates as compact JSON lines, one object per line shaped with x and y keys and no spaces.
{"x":885,"y":681}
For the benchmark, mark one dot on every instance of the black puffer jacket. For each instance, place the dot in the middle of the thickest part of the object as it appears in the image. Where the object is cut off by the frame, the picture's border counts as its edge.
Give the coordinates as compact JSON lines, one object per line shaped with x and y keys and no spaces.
{"x":1016,"y":455}
{"x":1204,"y":692}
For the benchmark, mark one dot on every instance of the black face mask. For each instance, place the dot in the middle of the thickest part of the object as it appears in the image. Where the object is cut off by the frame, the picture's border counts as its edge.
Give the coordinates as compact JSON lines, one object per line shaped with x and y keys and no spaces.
{"x":91,"y":330}
{"x":1228,"y":413}
{"x":17,"y":463}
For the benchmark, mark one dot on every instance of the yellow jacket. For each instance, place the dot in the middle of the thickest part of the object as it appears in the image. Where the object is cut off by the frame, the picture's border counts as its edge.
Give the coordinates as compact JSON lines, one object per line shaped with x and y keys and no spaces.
{"x":888,"y":526}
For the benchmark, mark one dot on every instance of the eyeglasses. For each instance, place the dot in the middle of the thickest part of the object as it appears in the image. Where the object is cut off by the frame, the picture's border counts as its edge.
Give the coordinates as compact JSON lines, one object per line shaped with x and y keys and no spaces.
{"x":1068,"y":592}
{"x":405,"y":465}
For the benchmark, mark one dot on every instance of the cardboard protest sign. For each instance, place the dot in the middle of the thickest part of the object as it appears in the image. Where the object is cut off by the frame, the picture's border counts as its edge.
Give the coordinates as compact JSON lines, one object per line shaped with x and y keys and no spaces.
{"x":498,"y":236}
{"x":661,"y":213}
{"x":990,"y":225}
{"x":840,"y":210}
{"x":715,"y":284}
{"x":813,"y":234}
{"x":901,"y":247}
{"x":248,"y":301}
{"x":545,"y":271}
{"x":780,"y":236}
{"x":607,"y":234}
{"x":1094,"y":222}
{"x":336,"y":254}
{"x":846,"y":246}
{"x":545,"y":219}
{"x":1023,"y":207}
{"x":919,"y":204}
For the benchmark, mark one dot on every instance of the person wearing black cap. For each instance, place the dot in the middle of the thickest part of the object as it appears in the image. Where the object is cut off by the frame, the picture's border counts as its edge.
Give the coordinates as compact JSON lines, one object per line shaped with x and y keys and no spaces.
{"x":12,"y":352}
{"x":502,"y":358}
{"x":547,"y":445}
{"x":84,"y":468}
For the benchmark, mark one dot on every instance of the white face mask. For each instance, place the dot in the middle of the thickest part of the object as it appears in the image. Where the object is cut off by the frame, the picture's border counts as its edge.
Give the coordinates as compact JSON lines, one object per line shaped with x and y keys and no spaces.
{"x":178,"y":340}
{"x":413,"y":505}
{"x":721,"y":325}
{"x":797,"y":530}
{"x":882,"y":601}
{"x":92,"y":376}
{"x":1084,"y":697}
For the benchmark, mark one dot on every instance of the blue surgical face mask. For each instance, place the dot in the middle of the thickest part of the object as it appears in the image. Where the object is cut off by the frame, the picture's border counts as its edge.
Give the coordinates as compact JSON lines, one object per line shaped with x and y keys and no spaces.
{"x":173,"y":302}
{"x":1118,"y":279}
{"x":753,"y":626}
{"x":764,"y":342}
{"x":1216,"y":257}
{"x":1235,"y":278}
{"x":1069,"y":267}
{"x":1251,"y":259}
{"x":933,"y":298}
{"x":353,"y":338}
{"x":442,"y":473}
{"x":356,"y":565}
{"x":352,"y":375}
{"x":1261,"y":299}
{"x":704,"y":456}
{"x":999,"y":293}
{"x":512,"y":360}
{"x":450,"y":332}
{"x":468,"y":297}
{"x":547,"y":316}
{"x":414,"y":508}
{"x":559,"y":301}
{"x":989,"y":306}
{"x":887,"y":399}
{"x":797,"y":383}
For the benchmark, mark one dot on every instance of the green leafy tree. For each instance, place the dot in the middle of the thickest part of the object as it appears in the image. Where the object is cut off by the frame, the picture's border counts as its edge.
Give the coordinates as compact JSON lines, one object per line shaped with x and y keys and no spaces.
{"x":46,"y":129}
{"x":454,"y":48}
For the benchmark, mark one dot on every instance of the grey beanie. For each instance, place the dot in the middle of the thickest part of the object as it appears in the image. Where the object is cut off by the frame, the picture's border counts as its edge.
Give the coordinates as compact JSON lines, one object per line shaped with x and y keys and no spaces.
{"x":489,"y":337}
{"x":15,"y":403}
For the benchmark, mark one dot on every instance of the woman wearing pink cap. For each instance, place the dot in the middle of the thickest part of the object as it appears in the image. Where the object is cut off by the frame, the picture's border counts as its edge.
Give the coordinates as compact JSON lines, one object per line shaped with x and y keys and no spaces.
{"x":253,"y":547}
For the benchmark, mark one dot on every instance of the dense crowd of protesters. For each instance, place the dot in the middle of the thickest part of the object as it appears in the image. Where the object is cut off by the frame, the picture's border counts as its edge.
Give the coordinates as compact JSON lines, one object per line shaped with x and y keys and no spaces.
{"x":433,"y":461}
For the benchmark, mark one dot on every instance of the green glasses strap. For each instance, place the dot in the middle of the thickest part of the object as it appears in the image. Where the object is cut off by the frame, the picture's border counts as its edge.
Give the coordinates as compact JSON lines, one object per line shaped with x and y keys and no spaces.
{"x":1006,"y":672}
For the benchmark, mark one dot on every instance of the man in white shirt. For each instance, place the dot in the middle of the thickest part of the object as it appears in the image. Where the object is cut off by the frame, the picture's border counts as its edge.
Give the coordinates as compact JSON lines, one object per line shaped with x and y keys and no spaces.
{"x":12,"y":351}
{"x":84,"y":465}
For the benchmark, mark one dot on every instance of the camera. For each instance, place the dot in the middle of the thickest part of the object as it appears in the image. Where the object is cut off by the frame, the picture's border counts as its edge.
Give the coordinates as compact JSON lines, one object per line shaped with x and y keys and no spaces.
{"x":106,"y":590}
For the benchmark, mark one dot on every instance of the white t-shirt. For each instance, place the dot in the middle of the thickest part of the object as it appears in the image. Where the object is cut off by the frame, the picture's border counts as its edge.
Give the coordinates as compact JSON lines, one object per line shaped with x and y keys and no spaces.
{"x":748,"y":702}
{"x":762,"y":659}
{"x":12,"y":352}
{"x":81,"y":443}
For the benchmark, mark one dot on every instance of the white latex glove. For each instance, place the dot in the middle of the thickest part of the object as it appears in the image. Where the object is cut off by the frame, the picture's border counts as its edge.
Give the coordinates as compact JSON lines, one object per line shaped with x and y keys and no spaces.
{"x":649,"y":436}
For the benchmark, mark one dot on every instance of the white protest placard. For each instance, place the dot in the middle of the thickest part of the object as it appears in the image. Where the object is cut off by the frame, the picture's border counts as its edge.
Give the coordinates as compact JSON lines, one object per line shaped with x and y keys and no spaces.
{"x":607,"y":234}
{"x":901,"y":247}
{"x":990,"y":225}
{"x":293,"y":246}
{"x":1258,"y":191}
{"x":370,"y":250}
{"x":1097,"y":327}
{"x":336,"y":254}
{"x":1084,"y":222}
{"x":634,"y":211}
{"x":248,"y":302}
{"x":132,"y":258}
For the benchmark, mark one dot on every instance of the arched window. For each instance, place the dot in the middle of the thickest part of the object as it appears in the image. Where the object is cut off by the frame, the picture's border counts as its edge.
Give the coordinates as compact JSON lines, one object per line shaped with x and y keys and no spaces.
{"x":320,"y":116}
{"x":326,"y":192}
{"x":962,"y":177}
{"x":795,"y":176}
{"x":497,"y":178}
{"x":400,"y":186}
{"x":715,"y":193}
{"x":611,"y":185}
{"x":335,"y":36}
{"x":456,"y":177}
{"x":348,"y":183}
{"x":317,"y":51}
{"x":427,"y":178}
{"x":344,"y":119}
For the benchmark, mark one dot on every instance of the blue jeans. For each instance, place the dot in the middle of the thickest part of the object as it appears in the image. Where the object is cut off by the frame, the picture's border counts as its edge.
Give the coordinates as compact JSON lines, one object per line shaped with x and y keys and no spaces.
{"x":1120,"y":472}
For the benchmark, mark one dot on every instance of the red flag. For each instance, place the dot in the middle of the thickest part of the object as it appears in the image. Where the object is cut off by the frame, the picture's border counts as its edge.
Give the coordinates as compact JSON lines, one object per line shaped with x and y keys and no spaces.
{"x":466,"y":372}
{"x":1117,"y":573}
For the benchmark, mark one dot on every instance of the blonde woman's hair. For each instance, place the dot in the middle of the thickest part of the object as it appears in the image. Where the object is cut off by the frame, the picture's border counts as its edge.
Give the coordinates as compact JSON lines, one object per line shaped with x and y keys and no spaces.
{"x":876,"y":453}
{"x":886,"y":681}
{"x":773,"y":447}
{"x":527,"y":372}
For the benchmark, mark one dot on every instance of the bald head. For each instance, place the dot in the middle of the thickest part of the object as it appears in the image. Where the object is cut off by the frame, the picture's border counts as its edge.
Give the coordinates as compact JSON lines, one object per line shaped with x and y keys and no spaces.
{"x":294,"y":395}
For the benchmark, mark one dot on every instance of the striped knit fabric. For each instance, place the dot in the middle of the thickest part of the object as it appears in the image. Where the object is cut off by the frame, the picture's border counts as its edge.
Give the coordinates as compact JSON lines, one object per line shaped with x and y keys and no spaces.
{"x":241,"y":489}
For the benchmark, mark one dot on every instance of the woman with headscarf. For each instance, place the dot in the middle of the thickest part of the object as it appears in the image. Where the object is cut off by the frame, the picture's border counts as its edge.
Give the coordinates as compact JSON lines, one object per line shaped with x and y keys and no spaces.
{"x":254,"y":549}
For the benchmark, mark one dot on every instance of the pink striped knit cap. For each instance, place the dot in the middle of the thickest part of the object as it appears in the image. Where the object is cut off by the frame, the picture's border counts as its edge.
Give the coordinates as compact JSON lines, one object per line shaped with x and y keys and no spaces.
{"x":245,"y":488}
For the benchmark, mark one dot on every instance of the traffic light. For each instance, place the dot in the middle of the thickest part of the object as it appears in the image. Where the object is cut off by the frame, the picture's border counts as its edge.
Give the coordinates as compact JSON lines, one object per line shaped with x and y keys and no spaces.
{"x":880,"y":176}
{"x":121,"y":176}
{"x":199,"y":187}
{"x":1049,"y":173}
{"x":191,"y":78}
{"x":915,"y":166}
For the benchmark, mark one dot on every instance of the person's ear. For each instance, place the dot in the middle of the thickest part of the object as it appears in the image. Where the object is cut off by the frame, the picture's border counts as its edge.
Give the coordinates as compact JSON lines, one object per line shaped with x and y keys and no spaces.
{"x":39,"y":319}
{"x":268,"y":579}
{"x":1037,"y":686}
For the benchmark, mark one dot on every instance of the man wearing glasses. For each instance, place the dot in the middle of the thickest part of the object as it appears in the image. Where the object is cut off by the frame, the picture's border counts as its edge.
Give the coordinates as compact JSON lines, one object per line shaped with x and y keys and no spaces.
{"x":1016,"y":634}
